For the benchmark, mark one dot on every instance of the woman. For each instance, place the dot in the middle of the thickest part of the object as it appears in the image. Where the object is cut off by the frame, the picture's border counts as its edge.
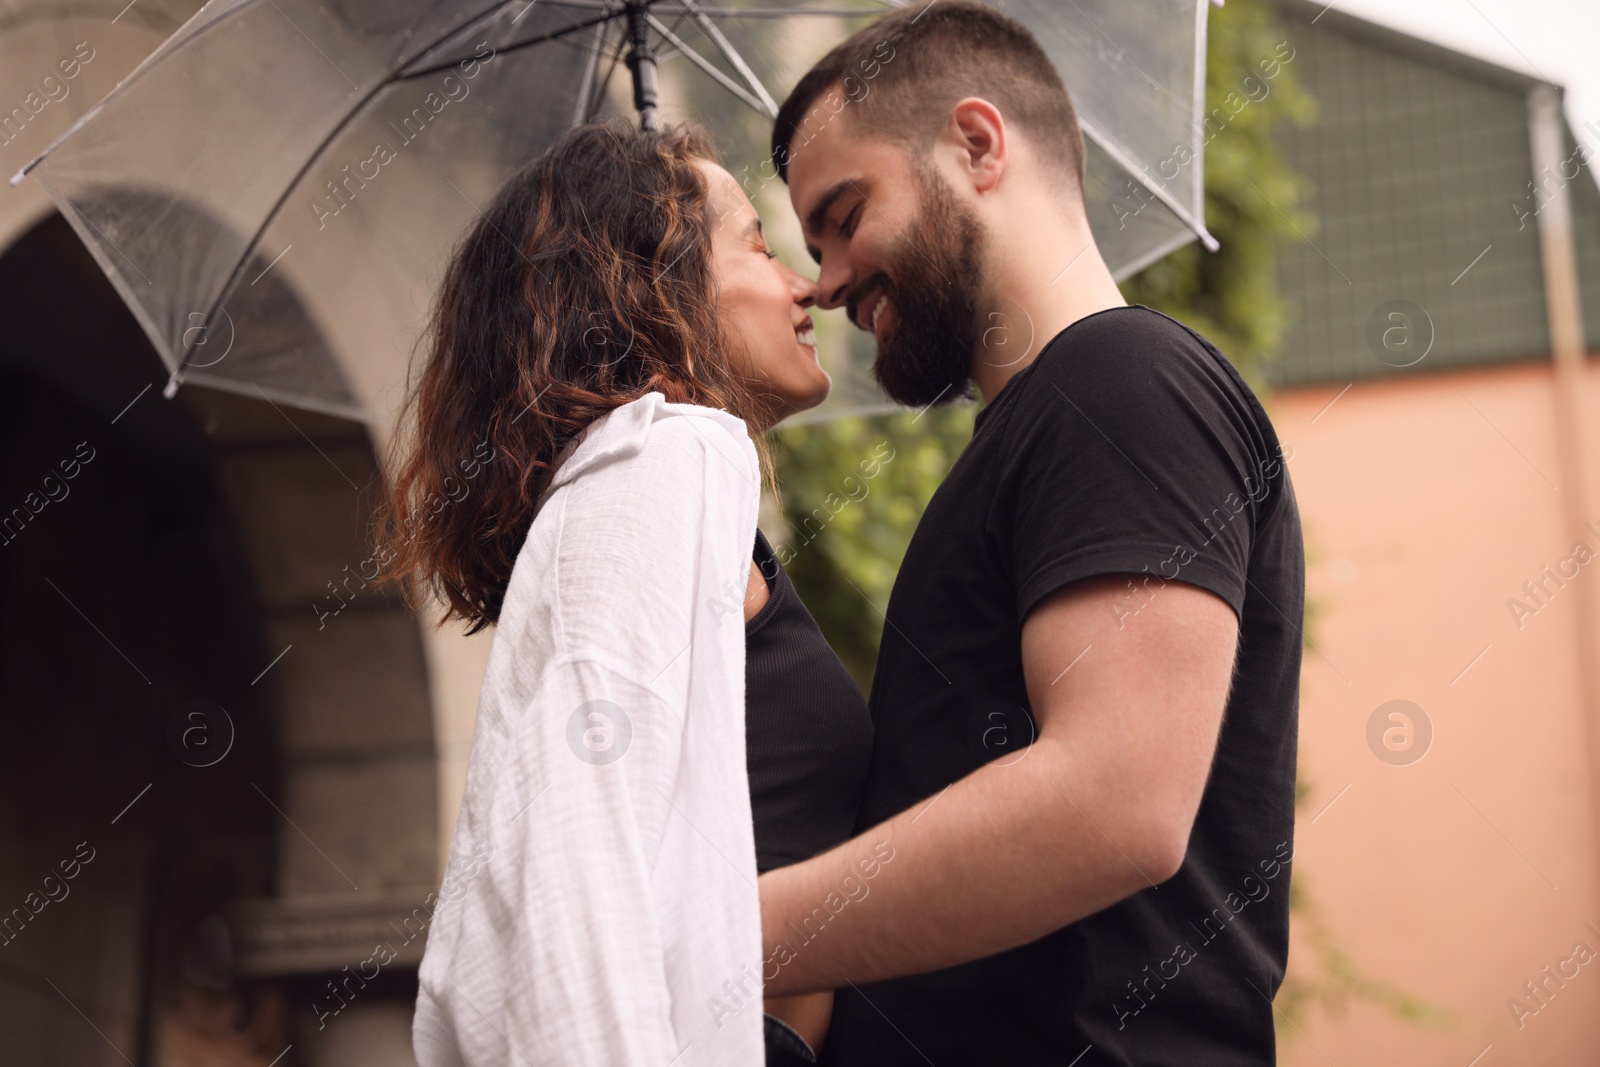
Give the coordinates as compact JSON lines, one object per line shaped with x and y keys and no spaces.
{"x":584,"y":470}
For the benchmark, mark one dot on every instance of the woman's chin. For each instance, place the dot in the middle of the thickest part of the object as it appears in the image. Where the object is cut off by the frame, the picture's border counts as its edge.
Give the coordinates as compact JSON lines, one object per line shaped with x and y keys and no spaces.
{"x":780,"y":407}
{"x":816,"y":397}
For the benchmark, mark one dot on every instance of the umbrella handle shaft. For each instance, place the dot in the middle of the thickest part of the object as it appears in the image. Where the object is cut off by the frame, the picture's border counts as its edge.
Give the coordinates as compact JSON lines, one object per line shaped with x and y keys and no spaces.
{"x":642,"y":62}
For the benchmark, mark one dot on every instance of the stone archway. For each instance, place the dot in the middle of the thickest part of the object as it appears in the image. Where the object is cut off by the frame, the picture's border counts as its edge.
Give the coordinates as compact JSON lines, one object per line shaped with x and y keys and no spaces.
{"x":197,"y":552}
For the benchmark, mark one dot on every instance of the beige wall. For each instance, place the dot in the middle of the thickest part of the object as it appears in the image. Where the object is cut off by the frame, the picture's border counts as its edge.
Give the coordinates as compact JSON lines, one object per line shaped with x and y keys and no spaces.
{"x":1427,"y":503}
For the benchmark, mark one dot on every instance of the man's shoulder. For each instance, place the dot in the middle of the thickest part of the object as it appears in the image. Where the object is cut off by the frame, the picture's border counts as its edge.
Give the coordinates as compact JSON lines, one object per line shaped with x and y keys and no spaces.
{"x":1139,"y":394}
{"x":1122,"y":364}
{"x":1135,"y":365}
{"x":1129,"y":344}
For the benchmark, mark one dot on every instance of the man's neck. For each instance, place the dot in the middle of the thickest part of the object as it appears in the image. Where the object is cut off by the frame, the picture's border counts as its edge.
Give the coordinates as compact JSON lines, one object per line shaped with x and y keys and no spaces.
{"x":1039,"y":282}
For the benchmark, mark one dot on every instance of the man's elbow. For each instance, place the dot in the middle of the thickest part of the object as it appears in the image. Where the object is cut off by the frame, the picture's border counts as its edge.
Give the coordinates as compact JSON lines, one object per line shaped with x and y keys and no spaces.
{"x":1160,"y":841}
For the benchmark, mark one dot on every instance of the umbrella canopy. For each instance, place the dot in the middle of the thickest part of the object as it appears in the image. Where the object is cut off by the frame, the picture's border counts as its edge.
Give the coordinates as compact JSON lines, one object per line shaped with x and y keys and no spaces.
{"x":59,"y":57}
{"x":276,"y":189}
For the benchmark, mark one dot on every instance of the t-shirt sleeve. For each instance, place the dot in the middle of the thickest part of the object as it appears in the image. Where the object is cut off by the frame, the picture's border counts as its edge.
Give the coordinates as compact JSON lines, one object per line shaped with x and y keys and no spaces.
{"x":1134,"y":449}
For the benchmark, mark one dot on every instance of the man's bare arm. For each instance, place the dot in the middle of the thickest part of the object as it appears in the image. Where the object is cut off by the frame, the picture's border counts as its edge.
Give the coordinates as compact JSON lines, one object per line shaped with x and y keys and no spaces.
{"x":1098,"y":808}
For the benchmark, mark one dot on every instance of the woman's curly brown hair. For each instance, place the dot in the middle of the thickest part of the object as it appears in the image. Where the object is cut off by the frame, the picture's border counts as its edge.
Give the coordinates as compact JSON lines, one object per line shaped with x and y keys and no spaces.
{"x":586,"y":284}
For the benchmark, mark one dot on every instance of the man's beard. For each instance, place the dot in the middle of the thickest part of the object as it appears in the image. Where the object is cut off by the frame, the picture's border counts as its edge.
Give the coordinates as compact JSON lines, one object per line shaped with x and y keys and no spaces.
{"x":936,"y":275}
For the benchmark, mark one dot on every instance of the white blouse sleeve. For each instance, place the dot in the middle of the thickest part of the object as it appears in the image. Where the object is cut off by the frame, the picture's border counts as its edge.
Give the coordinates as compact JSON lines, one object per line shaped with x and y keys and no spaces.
{"x":616,"y":920}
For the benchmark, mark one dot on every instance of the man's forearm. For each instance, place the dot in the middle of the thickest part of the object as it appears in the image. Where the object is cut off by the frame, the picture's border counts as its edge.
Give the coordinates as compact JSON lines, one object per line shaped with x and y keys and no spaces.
{"x":1002,"y":857}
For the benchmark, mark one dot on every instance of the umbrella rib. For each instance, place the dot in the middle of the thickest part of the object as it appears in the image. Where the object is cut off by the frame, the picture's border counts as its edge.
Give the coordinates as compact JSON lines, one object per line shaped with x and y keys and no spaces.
{"x":586,"y":88}
{"x":593,"y":103}
{"x":706,"y":65}
{"x":785,"y":12}
{"x":553,"y":35}
{"x":665,"y":54}
{"x":732,"y":54}
{"x":1137,"y":174}
{"x":238,"y":271}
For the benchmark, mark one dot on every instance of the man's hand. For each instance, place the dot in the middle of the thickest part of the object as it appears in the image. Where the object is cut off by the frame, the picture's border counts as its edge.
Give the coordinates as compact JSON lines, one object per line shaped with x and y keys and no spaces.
{"x":1127,"y":678}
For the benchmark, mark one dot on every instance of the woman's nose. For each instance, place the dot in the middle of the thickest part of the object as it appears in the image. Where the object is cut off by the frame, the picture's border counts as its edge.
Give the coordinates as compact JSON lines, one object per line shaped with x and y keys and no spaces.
{"x":804,"y":289}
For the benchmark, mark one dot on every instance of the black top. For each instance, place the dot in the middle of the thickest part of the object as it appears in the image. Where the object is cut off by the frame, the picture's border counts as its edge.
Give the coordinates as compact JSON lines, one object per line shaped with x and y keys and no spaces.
{"x":808,"y":738}
{"x":1130,"y":445}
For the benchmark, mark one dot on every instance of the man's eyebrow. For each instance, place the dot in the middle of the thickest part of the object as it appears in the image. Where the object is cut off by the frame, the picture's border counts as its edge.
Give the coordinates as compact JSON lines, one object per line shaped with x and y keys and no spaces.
{"x":817,"y":215}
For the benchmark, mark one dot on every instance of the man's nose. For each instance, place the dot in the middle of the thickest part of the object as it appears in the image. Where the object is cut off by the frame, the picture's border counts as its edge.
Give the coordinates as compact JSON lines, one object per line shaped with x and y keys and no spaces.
{"x":832,"y":283}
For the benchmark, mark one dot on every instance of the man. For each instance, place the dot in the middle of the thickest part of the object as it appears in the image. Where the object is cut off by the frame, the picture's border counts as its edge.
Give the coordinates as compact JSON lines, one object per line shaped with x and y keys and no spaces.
{"x":1112,"y":571}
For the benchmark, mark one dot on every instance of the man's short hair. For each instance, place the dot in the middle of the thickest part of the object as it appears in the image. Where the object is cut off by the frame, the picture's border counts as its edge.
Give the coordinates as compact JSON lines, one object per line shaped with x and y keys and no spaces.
{"x":901,"y":76}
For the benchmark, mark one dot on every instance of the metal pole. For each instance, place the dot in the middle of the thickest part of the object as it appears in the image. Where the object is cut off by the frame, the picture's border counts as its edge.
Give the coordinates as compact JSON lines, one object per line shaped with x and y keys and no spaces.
{"x":1564,"y":309}
{"x":643,"y":64}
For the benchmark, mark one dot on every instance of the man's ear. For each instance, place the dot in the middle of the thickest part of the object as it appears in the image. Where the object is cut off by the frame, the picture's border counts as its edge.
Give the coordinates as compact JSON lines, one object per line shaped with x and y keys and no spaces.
{"x":977,"y":127}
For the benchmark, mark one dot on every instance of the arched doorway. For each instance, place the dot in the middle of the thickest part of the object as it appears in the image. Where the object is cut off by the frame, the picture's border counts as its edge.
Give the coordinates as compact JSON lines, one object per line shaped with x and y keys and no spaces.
{"x":172,"y":895}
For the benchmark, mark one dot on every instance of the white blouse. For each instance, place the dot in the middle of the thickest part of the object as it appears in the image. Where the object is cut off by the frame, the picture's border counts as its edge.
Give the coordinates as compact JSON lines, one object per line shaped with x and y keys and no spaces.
{"x":600,"y":905}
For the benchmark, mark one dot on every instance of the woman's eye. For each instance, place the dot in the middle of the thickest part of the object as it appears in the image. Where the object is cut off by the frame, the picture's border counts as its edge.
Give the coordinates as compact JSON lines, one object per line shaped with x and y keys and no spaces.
{"x":770,"y":253}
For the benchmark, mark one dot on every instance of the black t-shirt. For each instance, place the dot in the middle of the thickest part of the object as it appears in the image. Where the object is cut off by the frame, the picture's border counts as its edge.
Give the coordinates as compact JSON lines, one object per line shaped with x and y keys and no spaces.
{"x":1130,"y":445}
{"x":808,"y":737}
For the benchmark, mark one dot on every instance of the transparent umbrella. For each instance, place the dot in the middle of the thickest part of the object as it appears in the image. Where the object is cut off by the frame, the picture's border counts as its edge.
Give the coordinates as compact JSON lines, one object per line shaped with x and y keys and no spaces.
{"x":58,"y":57}
{"x":276,"y":189}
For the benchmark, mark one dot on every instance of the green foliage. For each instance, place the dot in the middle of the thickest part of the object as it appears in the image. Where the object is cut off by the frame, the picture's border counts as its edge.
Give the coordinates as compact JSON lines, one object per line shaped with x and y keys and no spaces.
{"x":1337,"y":979}
{"x":1252,"y":197}
{"x":843,"y":552}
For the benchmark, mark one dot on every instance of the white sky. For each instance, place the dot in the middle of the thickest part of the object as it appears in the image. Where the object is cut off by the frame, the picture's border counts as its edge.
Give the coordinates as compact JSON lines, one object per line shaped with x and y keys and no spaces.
{"x":1558,"y":40}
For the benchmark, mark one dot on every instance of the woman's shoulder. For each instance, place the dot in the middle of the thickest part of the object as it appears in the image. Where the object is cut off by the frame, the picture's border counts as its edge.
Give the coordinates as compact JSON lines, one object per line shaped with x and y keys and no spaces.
{"x":661,"y":439}
{"x":648,"y":495}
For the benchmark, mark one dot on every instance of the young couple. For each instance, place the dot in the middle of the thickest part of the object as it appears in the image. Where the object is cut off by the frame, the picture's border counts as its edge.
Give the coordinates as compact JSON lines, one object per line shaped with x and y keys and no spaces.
{"x":688,"y":841}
